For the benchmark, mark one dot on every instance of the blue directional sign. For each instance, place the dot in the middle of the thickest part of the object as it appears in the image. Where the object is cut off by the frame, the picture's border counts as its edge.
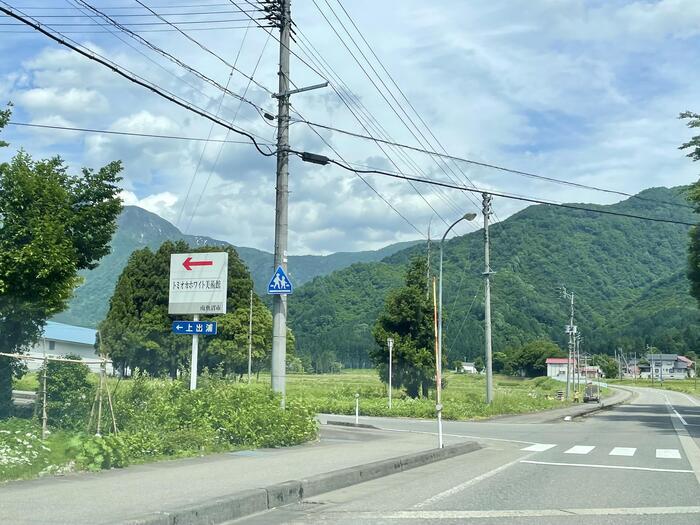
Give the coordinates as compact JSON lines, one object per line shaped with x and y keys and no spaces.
{"x":280,"y":283}
{"x":194,"y":327}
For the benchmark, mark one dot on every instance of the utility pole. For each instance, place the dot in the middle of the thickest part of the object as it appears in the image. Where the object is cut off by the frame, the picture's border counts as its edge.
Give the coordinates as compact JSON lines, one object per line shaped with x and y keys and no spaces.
{"x":279,"y":302}
{"x":486,"y":210}
{"x":571,"y":330}
{"x":250,"y":337}
{"x":427,"y":275}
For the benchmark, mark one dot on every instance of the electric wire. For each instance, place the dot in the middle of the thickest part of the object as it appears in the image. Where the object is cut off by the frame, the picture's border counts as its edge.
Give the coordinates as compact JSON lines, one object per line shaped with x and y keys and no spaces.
{"x":132,"y":134}
{"x":205,"y":48}
{"x":132,"y":77}
{"x":211,"y":130}
{"x":511,"y":196}
{"x":221,"y":147}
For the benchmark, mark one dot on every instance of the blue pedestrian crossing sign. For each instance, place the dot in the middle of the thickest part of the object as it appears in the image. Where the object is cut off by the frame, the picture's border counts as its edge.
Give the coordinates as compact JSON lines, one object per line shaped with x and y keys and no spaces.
{"x":194,"y":327}
{"x":280,"y":283}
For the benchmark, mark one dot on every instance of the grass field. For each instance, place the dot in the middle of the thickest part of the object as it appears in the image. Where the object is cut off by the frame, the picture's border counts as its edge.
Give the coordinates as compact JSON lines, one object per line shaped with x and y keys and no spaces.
{"x":463,"y":398}
{"x":688,"y":386}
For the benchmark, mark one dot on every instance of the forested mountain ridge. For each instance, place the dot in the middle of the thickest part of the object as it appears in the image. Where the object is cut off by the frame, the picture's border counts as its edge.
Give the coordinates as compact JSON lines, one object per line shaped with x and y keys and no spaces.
{"x":621,"y":270}
{"x":138,"y":228}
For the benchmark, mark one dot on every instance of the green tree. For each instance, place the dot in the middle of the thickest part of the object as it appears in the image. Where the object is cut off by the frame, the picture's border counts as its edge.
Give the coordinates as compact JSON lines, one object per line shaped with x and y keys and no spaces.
{"x":408,"y":318}
{"x":52,"y":224}
{"x":501,"y":363}
{"x":693,"y":195}
{"x":137,"y":329}
{"x":607,"y":365}
{"x":69,"y":394}
{"x":479,"y":364}
{"x":532,"y":357}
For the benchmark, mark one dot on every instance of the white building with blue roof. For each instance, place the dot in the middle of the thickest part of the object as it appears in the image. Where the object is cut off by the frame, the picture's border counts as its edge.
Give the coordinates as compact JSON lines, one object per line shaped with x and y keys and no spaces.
{"x":62,"y":339}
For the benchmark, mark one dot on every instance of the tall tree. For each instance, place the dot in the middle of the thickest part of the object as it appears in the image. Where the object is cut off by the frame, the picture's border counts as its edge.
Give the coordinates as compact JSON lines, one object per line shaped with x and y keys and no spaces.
{"x":137,"y":334}
{"x":408,"y":318}
{"x":694,"y":195}
{"x":52,"y":224}
{"x":531,"y":358}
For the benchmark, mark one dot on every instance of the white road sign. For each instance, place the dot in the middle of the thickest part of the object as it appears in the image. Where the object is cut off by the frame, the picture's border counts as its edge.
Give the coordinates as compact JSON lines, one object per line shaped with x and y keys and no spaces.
{"x":198,"y":283}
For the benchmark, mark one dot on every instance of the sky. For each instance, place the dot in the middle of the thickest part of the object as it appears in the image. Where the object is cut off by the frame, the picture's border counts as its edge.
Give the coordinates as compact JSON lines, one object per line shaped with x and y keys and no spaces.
{"x":585,"y":91}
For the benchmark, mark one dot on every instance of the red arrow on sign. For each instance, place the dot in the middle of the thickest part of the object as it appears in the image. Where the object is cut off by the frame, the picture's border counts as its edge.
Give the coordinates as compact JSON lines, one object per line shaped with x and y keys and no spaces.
{"x":189,"y":263}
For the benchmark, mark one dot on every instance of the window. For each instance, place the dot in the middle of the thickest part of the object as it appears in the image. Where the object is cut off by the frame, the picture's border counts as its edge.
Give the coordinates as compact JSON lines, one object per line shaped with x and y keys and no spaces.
{"x":52,"y":345}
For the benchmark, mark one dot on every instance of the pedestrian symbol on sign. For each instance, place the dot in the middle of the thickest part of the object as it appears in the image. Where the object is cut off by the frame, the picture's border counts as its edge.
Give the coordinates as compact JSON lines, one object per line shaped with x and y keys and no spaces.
{"x":280,"y":283}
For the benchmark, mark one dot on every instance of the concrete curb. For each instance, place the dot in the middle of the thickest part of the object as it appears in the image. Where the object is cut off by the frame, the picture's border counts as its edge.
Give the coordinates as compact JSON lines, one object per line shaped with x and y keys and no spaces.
{"x":252,"y":501}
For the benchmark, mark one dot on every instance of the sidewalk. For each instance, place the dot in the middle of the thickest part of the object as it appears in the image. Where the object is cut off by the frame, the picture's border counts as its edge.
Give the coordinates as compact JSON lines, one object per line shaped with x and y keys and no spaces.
{"x":118,"y":495}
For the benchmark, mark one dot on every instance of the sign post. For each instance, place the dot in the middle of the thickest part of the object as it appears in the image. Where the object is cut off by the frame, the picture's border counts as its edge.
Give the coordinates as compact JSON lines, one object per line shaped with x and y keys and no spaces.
{"x":198,"y":285}
{"x":390,"y":344}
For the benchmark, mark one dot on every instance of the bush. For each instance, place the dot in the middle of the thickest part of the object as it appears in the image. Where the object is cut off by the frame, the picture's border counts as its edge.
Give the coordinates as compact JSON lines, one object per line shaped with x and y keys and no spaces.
{"x":69,"y":394}
{"x":103,"y":452}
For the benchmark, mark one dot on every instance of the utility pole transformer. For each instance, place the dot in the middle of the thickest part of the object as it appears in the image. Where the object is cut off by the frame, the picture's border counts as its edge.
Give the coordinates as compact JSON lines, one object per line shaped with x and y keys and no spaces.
{"x":279,"y":302}
{"x":486,"y":210}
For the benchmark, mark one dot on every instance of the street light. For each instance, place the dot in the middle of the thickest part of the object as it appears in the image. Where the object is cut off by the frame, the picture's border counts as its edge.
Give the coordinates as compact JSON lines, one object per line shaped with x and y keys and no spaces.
{"x":438,"y":406}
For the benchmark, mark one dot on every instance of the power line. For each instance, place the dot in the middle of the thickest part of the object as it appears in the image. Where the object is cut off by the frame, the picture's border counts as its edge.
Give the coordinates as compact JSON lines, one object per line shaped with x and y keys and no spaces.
{"x":393,"y":81}
{"x":176,"y":60}
{"x":205,"y":48}
{"x":493,"y":166}
{"x":422,"y":138}
{"x":176,"y":6}
{"x":133,"y":134}
{"x":139,"y":31}
{"x":133,"y":24}
{"x":142,"y":15}
{"x":374,"y":84}
{"x":211,"y":129}
{"x":367,"y":118}
{"x":319,"y":159}
{"x":134,"y":78}
{"x":221,"y":147}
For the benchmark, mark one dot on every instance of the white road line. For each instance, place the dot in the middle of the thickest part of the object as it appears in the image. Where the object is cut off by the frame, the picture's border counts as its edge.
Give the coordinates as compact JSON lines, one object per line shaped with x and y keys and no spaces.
{"x":672,"y":408}
{"x":623,"y":451}
{"x":538,"y":447}
{"x":692,"y":451}
{"x":615,"y":467}
{"x":431,"y":515}
{"x":457,"y":435}
{"x":689,"y":399}
{"x":668,"y":453}
{"x":579,"y":449}
{"x":458,"y":488}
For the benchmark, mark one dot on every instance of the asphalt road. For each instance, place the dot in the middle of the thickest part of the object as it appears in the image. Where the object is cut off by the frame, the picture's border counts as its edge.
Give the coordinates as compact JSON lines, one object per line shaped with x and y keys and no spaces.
{"x":637,"y":463}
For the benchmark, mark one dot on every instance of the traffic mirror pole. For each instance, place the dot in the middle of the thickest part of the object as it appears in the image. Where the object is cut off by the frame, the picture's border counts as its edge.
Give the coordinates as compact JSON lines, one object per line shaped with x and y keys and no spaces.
{"x":193,"y":361}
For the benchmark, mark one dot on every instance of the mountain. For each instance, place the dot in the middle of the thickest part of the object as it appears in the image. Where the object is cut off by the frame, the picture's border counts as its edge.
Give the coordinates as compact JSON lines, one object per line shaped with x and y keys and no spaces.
{"x":628,"y":277}
{"x":138,"y":228}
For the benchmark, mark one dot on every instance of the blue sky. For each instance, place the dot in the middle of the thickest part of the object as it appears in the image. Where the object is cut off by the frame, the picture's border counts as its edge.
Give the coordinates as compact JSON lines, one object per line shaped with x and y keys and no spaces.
{"x":579,"y":90}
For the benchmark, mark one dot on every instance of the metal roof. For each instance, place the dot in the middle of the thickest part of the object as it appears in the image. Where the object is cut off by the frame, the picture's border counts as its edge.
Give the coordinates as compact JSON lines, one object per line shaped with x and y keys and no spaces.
{"x":69,"y":333}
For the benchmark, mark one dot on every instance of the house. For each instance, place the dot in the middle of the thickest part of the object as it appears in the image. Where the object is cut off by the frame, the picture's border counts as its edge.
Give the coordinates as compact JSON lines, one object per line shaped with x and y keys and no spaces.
{"x":61,"y":339}
{"x":666,"y":366}
{"x":556,"y":366}
{"x":468,"y":368}
{"x":590,"y":372}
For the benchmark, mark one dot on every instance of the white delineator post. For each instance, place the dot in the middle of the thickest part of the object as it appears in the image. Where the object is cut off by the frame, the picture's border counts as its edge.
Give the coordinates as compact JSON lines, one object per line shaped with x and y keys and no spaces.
{"x":193,"y":361}
{"x":357,"y":409}
{"x":390,"y":344}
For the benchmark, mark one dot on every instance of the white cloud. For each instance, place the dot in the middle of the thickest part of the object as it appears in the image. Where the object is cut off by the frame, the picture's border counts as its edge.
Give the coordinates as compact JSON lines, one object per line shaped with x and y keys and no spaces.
{"x":580,"y":90}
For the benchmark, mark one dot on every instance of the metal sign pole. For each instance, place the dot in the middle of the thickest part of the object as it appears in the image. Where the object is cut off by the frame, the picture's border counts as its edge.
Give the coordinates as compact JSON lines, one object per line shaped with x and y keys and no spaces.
{"x":193,"y":362}
{"x":390,"y":343}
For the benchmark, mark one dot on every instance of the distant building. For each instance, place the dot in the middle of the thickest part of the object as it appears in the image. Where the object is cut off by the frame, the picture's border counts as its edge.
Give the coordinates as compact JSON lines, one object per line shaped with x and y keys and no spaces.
{"x":556,"y":366}
{"x":591,"y":372}
{"x":666,"y":366}
{"x":61,"y":339}
{"x":468,"y":368}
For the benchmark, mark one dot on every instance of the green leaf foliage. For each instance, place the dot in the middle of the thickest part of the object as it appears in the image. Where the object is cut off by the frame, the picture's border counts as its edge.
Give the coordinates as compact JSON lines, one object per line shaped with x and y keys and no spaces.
{"x":627,"y":276}
{"x":69,"y":394}
{"x":137,"y":330}
{"x":52,"y":224}
{"x":408,"y":317}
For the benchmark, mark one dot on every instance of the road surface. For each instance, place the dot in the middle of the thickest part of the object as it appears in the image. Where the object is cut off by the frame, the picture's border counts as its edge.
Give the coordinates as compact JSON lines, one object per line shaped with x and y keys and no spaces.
{"x":637,"y":463}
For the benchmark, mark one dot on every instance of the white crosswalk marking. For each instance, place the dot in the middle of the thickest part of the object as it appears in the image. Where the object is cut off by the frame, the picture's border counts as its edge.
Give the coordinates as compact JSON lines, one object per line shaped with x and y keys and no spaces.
{"x":623,"y":451}
{"x":538,"y":447}
{"x":579,"y":449}
{"x":668,"y":453}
